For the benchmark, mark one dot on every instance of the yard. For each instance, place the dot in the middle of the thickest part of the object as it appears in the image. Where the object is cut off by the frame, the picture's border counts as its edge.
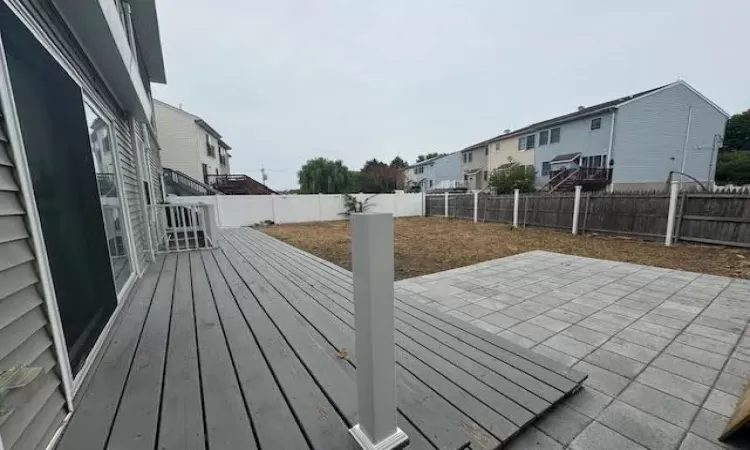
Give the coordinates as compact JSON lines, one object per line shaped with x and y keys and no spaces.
{"x":429,"y":245}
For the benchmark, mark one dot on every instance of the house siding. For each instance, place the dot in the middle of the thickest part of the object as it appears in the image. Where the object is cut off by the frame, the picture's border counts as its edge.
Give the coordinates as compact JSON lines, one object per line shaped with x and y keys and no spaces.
{"x":650,"y":134}
{"x":478,"y":161}
{"x":508,"y":148}
{"x":447,"y":168}
{"x":575,"y":137}
{"x":178,"y":138}
{"x":25,"y":336}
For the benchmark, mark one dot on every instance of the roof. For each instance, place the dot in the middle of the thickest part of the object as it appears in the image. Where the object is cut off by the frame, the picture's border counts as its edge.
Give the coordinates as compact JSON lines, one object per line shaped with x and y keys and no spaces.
{"x":473,"y":171}
{"x":198,"y":121}
{"x":565,"y":157}
{"x":427,"y":161}
{"x":146,"y":25}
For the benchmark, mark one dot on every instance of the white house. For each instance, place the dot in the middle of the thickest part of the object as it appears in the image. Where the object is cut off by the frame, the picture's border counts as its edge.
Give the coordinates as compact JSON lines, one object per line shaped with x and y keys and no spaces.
{"x":442,"y":172}
{"x":189,"y":144}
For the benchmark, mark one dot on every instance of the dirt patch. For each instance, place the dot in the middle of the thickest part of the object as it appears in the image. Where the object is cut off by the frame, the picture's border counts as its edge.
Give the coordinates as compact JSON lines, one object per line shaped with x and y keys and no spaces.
{"x":429,"y":245}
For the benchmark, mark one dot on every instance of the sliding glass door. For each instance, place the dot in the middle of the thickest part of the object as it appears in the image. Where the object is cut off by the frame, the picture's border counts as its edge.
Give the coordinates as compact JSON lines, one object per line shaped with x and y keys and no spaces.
{"x":71,"y":161}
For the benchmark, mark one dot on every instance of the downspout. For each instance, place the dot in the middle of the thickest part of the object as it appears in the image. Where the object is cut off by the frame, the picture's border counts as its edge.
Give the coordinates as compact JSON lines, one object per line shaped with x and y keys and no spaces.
{"x":609,"y":150}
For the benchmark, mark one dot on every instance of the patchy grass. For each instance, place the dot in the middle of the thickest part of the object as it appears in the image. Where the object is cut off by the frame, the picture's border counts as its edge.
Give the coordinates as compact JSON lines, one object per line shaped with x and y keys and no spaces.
{"x":429,"y":245}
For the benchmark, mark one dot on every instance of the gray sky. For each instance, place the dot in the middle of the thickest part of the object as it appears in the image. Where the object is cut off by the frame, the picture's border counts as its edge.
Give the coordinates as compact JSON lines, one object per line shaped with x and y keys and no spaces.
{"x":288,"y":80}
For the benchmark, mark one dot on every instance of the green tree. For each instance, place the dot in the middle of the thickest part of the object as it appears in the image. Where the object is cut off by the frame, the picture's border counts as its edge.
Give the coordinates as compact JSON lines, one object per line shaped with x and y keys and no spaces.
{"x":733,"y":168}
{"x":427,"y":156}
{"x":505,"y":181}
{"x":737,"y":134}
{"x":399,"y":163}
{"x":323,"y":176}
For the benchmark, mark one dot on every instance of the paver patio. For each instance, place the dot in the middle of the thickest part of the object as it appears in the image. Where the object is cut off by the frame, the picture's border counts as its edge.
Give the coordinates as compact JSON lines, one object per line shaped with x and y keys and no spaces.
{"x":667,"y":352}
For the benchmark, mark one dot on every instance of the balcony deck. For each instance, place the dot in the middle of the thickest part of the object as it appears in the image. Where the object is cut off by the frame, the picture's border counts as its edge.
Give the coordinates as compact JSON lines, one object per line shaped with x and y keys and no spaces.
{"x":251,"y":345}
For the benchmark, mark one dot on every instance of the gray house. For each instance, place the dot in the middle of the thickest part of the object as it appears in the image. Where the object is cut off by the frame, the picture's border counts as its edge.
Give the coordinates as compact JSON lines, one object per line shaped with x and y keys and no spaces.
{"x":79,"y":166}
{"x":633,"y":142}
{"x":442,"y":172}
{"x":475,"y":165}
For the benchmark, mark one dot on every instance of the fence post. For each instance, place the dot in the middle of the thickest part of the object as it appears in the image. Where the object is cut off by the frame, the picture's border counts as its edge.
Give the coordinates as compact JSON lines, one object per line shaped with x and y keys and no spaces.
{"x":320,"y":207}
{"x":372,"y":267}
{"x":577,"y":209}
{"x":424,"y":204}
{"x":476,"y":205}
{"x":516,"y":201}
{"x":446,"y":205}
{"x":673,"y":192}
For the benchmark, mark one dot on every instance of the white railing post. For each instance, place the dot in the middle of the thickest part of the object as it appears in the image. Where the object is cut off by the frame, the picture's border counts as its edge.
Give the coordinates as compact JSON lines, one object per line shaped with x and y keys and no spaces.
{"x":576,"y":209}
{"x":446,"y":205}
{"x":673,"y":192}
{"x":476,"y":205}
{"x":372,"y":267}
{"x":516,"y":201}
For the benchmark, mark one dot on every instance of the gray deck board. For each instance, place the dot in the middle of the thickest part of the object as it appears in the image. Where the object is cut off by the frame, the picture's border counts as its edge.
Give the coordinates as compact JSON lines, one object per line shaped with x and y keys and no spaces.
{"x":251,"y":345}
{"x":181,"y":407}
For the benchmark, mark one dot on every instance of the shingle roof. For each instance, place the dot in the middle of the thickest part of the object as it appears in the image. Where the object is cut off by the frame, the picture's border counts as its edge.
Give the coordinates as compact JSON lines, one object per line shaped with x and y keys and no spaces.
{"x":565,"y":158}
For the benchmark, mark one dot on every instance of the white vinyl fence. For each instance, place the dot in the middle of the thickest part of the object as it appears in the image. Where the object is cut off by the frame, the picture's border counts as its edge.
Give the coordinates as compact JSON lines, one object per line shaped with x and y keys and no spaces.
{"x":244,"y":210}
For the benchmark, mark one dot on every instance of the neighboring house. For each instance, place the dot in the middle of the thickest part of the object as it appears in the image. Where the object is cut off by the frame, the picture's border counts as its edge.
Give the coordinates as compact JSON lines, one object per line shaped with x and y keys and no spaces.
{"x":631,"y":142}
{"x":79,"y":168}
{"x":504,"y":151}
{"x":442,"y":172}
{"x":475,"y":164}
{"x":189,"y":144}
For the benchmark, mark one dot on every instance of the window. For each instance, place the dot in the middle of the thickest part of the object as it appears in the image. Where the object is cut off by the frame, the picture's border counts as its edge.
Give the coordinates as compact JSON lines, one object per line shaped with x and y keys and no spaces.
{"x":598,"y":160}
{"x":554,"y":135}
{"x":543,"y":137}
{"x":596,"y":123}
{"x":470,"y":155}
{"x":545,"y":168}
{"x":210,"y":149}
{"x":466,"y":158}
{"x":530,"y":141}
{"x":485,"y":175}
{"x":486,"y":151}
{"x":466,"y":177}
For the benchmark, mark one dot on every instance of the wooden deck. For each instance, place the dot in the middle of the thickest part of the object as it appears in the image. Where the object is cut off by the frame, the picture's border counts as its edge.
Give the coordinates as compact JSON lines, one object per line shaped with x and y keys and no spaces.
{"x":251,"y":346}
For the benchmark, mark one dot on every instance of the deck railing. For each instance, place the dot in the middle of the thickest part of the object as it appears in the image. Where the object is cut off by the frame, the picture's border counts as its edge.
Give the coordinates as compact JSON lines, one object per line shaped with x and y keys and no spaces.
{"x":186,"y":227}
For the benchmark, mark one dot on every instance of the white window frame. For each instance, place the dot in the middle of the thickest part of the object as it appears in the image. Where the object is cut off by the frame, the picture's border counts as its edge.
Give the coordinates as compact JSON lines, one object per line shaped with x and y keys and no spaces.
{"x":559,"y":135}
{"x":591,"y":125}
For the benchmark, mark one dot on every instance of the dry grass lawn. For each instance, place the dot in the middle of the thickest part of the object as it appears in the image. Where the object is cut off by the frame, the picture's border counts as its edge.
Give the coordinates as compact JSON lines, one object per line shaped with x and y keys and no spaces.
{"x":429,"y":245}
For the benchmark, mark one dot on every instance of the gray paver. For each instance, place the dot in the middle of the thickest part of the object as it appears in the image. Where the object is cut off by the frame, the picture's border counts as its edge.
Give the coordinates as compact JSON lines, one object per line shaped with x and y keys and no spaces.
{"x":674,"y":385}
{"x":652,"y":401}
{"x":693,"y":442}
{"x":586,"y":335}
{"x":713,"y":333}
{"x":563,"y":424}
{"x":533,"y":439}
{"x":697,"y":355}
{"x":554,"y":354}
{"x":738,"y":367}
{"x":643,"y":339}
{"x":564,"y":315}
{"x":517,"y":339}
{"x":549,"y":323}
{"x":704,"y":343}
{"x":655,"y":329}
{"x":600,"y":326}
{"x":643,"y":428}
{"x":598,"y":437}
{"x":531,"y":331}
{"x":589,"y":402}
{"x":631,"y":350}
{"x":731,"y":384}
{"x":708,"y":425}
{"x":486,"y":326}
{"x":501,"y":320}
{"x":569,"y":346}
{"x":614,"y":362}
{"x":721,"y":402}
{"x":690,"y":370}
{"x":601,"y":379}
{"x":475,"y":311}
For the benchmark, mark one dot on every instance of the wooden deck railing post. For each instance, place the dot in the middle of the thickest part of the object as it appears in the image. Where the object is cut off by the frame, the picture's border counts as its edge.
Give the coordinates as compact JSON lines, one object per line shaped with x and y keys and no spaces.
{"x":516,"y":201}
{"x":372,"y":268}
{"x":577,"y":209}
{"x":673,"y":193}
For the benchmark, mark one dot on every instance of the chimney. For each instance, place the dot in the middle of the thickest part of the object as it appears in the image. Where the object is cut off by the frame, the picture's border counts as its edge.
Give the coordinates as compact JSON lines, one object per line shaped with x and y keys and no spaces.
{"x":581,"y":108}
{"x":506,"y":131}
{"x":180,"y":106}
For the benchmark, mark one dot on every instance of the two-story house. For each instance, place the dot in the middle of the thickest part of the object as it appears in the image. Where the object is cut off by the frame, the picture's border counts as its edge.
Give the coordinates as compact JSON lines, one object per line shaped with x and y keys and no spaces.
{"x":441,"y":172}
{"x":79,"y":168}
{"x":633,"y":142}
{"x":189,"y":144}
{"x":475,"y":164}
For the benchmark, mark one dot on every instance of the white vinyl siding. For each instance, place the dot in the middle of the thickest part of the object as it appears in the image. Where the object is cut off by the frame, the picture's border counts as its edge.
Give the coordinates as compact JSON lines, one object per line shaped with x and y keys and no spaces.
{"x":30,"y":414}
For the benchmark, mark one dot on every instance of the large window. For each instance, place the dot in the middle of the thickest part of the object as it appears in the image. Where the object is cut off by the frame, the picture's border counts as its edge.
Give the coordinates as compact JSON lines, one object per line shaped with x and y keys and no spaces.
{"x":543,"y":137}
{"x":530,"y":141}
{"x":104,"y":156}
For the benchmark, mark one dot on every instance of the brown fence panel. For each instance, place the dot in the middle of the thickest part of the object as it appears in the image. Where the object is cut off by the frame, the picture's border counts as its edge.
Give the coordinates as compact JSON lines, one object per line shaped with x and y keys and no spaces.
{"x":495,"y":208}
{"x":461,"y":206}
{"x":642,"y":215}
{"x":715,"y":219}
{"x":553,"y":211}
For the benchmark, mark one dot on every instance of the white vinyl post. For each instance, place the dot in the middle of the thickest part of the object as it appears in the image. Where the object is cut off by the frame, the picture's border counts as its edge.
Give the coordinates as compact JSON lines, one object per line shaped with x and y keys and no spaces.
{"x":446,"y":205}
{"x":320,"y":207}
{"x":516,"y":201}
{"x":576,"y":209}
{"x":673,"y":193}
{"x":476,"y":205}
{"x":372,"y":267}
{"x":424,"y":204}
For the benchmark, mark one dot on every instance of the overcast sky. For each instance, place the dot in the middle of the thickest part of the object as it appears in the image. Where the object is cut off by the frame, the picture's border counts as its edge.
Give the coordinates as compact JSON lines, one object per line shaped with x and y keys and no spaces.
{"x":288,"y":80}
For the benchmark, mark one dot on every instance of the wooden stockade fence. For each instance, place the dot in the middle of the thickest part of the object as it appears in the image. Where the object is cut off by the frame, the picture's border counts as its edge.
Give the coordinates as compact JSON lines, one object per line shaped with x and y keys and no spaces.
{"x":713,"y":218}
